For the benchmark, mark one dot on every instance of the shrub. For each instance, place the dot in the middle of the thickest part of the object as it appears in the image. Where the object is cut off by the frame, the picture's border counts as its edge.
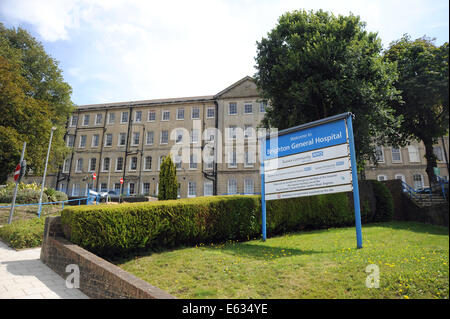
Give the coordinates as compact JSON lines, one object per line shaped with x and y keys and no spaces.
{"x":23,"y":233}
{"x":24,"y":196}
{"x":384,"y":202}
{"x":168,"y":184}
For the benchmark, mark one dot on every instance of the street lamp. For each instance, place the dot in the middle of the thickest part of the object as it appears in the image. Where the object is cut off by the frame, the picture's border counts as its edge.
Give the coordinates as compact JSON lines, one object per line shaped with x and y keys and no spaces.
{"x":45,"y":171}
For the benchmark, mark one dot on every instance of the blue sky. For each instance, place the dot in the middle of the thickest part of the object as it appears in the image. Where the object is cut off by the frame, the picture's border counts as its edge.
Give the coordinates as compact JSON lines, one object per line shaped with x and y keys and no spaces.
{"x":122,"y":50}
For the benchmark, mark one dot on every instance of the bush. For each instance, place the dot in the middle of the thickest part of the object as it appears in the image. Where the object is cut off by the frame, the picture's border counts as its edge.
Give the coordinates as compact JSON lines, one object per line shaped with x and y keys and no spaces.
{"x":24,"y":196}
{"x":384,"y":202}
{"x":24,"y":233}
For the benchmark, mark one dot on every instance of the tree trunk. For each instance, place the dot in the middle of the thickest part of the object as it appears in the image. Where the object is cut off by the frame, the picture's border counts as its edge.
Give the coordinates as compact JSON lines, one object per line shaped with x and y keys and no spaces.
{"x":431,"y":161}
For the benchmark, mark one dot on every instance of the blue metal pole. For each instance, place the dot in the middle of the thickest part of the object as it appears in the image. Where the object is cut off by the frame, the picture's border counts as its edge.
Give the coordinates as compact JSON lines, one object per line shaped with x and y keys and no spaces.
{"x":355,"y":182}
{"x":263,"y":199}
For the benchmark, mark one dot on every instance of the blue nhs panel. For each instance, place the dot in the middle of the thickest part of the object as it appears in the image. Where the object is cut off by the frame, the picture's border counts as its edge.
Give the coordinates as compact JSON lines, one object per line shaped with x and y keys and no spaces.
{"x":312,"y":138}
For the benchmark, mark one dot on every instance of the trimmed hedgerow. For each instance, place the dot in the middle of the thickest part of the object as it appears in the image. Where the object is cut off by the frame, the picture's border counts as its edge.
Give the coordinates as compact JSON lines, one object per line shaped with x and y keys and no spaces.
{"x":384,"y":202}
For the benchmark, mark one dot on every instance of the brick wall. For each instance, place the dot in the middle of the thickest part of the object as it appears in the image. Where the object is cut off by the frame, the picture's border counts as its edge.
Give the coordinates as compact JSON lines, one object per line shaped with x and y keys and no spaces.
{"x":98,"y":278}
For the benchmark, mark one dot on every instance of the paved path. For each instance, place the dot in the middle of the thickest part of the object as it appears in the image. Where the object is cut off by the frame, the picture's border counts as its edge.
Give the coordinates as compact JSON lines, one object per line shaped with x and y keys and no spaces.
{"x":24,"y":276}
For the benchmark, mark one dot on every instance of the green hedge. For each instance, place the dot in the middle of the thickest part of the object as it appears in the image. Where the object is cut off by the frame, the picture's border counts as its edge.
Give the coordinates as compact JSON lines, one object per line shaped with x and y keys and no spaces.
{"x":110,"y":230}
{"x":24,"y":196}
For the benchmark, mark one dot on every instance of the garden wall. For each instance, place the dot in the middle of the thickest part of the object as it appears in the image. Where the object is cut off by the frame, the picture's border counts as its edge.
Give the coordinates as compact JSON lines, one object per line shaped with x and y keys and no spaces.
{"x":98,"y":278}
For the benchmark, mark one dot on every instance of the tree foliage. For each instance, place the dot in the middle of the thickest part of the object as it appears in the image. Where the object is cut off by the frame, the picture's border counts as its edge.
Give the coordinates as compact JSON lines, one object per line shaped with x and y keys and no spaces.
{"x":168,"y":184}
{"x":314,"y":65}
{"x":423,"y":82}
{"x":33,"y":98}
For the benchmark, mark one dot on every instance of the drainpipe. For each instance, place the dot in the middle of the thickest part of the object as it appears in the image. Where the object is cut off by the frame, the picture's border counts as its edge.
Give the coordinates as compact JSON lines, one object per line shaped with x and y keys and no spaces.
{"x":126,"y":147}
{"x":142,"y":156}
{"x":101,"y":151}
{"x":215,"y":147}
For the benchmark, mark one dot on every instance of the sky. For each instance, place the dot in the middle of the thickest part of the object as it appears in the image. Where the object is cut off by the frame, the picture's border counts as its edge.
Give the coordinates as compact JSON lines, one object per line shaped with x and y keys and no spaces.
{"x":128,"y":50}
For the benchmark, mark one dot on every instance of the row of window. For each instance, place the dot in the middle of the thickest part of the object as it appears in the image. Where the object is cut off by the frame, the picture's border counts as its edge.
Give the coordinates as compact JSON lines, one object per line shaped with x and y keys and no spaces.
{"x":165,"y":114}
{"x":138,"y":116}
{"x":131,"y":188}
{"x":194,"y":136}
{"x":413,"y":154}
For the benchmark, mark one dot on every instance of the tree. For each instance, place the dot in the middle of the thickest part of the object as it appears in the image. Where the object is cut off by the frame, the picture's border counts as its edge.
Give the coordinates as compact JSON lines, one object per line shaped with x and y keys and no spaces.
{"x":33,"y":98}
{"x":314,"y":65}
{"x":423,"y":82}
{"x":168,"y":184}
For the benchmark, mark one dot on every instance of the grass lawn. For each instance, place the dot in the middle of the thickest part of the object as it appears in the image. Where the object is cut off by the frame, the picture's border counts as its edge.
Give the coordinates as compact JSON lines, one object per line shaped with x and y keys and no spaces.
{"x":26,"y":212}
{"x":412,"y":259}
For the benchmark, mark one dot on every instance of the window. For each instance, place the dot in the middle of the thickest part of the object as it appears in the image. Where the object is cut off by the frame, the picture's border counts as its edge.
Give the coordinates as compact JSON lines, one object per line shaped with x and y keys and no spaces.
{"x":79,"y":166}
{"x":208,"y":188}
{"x":73,"y":121}
{"x":232,"y":159}
{"x":161,"y":159}
{"x":396,"y":155}
{"x":413,"y":153}
{"x":418,"y":181}
{"x":381,"y":178}
{"x":165,"y":116}
{"x":249,"y":159}
{"x":66,"y":165}
{"x":119,"y":164}
{"x":210,"y":112}
{"x":95,"y":139}
{"x":379,"y":154}
{"x":76,"y":190}
{"x":193,"y":162}
{"x":195,"y":113}
{"x":150,"y":138}
{"x":83,"y":139}
{"x":248,"y":131}
{"x":262,"y":107}
{"x":210,"y":134}
{"x":138,"y":117}
{"x":92,"y":164}
{"x":164,"y":137}
{"x":146,"y":188}
{"x":86,"y":120}
{"x":151,"y":116}
{"x":108,"y":140}
{"x":232,"y":109}
{"x":248,"y":108}
{"x":136,"y":136}
{"x":248,"y":186}
{"x":133,"y":163}
{"x":437,"y":150}
{"x":148,"y":163}
{"x":112,"y":118}
{"x":131,"y":188}
{"x":232,"y":132}
{"x":180,"y":114}
{"x":400,"y":177}
{"x":106,"y":162}
{"x":103,"y":187}
{"x":117,"y":187}
{"x":122,"y":139}
{"x":70,"y":140}
{"x":232,"y":186}
{"x":98,"y":119}
{"x":177,"y":161}
{"x":192,"y":189}
{"x":124,"y":117}
{"x":194,"y":135}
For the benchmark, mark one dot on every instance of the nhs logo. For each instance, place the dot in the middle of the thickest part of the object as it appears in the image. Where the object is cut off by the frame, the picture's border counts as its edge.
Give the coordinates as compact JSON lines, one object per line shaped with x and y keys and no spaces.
{"x":317,"y":154}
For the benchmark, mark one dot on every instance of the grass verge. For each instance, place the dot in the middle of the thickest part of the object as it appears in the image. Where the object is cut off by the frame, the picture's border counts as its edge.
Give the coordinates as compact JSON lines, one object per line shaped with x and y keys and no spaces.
{"x":412,"y":259}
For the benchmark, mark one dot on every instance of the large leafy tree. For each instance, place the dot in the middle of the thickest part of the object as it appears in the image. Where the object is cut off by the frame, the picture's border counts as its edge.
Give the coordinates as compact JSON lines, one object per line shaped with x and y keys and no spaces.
{"x":423,"y":82}
{"x":314,"y":65}
{"x":33,"y":98}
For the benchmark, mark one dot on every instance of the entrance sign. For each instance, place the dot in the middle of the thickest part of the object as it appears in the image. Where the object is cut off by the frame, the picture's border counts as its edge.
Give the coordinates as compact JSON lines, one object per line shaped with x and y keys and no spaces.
{"x":311,"y":159}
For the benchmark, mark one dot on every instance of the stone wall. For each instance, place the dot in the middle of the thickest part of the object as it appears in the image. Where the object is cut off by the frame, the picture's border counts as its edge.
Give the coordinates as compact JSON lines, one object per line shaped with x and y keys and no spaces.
{"x":98,"y":278}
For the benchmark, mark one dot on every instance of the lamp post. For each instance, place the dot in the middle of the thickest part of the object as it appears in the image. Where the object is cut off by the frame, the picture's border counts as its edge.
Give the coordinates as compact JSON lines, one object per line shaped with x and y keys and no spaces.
{"x":45,"y":171}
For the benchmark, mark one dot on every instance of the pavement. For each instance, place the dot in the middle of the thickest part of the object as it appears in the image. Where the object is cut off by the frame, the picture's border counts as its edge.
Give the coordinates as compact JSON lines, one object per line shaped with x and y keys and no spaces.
{"x":24,"y":276}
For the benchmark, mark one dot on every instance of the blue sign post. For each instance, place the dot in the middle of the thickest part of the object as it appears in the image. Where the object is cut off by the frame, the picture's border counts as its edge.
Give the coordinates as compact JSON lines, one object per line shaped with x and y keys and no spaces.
{"x":310,"y":159}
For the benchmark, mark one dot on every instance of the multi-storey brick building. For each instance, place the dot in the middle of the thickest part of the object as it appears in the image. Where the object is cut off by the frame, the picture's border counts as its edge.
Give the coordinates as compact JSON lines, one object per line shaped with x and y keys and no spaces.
{"x":129,"y":139}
